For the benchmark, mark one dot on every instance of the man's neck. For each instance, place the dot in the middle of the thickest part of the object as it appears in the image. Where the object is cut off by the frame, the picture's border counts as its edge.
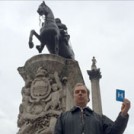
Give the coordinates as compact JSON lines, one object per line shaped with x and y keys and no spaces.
{"x":81,"y":107}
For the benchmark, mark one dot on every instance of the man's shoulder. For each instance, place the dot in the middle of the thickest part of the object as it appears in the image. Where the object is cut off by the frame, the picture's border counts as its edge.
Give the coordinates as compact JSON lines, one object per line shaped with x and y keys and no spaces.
{"x":68,"y":112}
{"x":65,"y":113}
{"x":76,"y":109}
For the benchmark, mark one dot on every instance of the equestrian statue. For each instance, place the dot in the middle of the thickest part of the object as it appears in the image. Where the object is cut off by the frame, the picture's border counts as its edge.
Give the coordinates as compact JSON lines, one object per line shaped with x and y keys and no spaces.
{"x":53,"y":34}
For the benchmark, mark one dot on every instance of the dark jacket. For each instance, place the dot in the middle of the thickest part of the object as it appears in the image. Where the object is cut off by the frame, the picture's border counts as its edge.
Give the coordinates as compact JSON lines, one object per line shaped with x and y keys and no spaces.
{"x":86,"y":121}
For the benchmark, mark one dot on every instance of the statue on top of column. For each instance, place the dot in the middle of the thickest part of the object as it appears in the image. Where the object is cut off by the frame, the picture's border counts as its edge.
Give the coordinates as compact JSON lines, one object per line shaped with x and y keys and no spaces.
{"x":93,"y":67}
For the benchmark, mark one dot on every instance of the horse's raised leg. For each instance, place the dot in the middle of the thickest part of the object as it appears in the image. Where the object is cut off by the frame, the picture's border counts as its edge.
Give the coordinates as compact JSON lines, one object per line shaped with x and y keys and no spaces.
{"x":33,"y":32}
{"x":30,"y":39}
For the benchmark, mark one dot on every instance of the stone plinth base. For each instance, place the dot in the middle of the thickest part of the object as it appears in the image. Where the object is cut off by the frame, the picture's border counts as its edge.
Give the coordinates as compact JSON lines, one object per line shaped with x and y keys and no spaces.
{"x":49,"y":81}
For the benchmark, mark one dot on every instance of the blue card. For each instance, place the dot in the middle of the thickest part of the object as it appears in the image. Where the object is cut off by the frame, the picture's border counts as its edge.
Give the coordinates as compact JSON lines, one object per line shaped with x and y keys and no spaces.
{"x":120,"y":95}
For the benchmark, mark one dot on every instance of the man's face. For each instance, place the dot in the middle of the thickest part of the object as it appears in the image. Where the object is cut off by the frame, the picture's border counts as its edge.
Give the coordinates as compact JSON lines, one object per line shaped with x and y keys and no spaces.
{"x":81,"y":96}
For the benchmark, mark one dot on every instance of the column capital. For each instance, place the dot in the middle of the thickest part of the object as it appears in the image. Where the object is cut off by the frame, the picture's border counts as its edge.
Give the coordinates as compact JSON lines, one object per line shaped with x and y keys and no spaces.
{"x":94,"y":74}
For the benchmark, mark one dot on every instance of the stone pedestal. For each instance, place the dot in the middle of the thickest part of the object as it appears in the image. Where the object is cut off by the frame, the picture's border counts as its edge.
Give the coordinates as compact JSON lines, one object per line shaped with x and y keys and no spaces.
{"x":49,"y":81}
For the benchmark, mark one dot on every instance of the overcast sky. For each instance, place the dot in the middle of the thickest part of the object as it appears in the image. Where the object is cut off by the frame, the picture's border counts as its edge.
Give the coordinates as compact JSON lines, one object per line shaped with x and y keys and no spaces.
{"x":97,"y":28}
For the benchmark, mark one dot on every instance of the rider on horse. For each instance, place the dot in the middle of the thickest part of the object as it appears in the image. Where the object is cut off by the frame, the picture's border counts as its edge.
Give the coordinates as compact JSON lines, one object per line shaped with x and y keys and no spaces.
{"x":63,"y":30}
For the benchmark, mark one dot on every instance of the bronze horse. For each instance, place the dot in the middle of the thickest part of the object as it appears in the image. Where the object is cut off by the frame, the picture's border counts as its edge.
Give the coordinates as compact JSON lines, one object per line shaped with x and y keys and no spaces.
{"x":50,"y":35}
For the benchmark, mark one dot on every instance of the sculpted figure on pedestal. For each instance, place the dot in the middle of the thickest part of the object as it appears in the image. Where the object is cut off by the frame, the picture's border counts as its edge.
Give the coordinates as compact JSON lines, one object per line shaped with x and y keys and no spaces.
{"x":52,"y":35}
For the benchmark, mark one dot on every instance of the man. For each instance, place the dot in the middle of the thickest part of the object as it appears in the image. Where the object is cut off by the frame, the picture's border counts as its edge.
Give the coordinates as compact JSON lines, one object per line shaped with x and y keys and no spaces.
{"x":82,"y":120}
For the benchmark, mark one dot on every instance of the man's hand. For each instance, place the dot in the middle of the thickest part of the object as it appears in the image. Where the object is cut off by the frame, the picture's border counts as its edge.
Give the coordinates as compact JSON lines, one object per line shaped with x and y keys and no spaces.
{"x":125,"y":107}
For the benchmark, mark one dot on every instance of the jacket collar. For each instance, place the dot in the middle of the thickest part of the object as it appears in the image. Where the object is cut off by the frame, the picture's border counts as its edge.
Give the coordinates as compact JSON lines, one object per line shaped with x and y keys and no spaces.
{"x":86,"y":109}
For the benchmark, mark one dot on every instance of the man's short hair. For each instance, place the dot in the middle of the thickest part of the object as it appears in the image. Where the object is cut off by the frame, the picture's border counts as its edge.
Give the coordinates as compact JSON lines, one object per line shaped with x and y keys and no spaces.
{"x":81,"y":84}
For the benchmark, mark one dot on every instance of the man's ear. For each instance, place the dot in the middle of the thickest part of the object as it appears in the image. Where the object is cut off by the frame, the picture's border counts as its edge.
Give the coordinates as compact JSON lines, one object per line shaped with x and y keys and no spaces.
{"x":88,"y":99}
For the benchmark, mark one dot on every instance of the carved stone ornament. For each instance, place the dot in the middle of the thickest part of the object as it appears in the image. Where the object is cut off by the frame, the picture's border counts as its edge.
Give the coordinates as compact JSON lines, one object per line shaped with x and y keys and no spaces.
{"x":49,"y":80}
{"x":42,"y":103}
{"x":40,"y":88}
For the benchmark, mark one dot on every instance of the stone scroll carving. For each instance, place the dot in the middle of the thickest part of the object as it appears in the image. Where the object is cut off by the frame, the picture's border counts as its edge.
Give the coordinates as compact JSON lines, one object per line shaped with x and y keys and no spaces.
{"x":43,"y":99}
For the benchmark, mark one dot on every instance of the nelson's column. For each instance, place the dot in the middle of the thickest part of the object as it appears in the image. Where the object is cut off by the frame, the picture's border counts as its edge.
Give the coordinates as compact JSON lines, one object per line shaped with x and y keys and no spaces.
{"x":95,"y":75}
